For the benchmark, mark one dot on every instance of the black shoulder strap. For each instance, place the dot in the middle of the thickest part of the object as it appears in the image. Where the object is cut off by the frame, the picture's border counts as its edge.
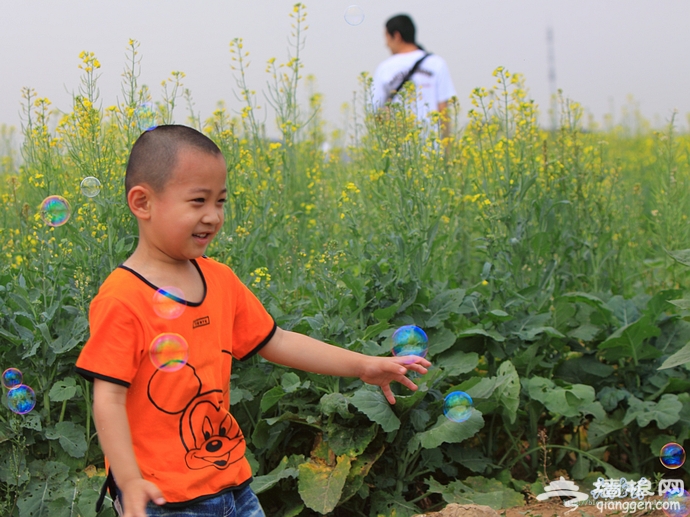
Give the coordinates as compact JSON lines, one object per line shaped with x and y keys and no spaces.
{"x":408,"y":76}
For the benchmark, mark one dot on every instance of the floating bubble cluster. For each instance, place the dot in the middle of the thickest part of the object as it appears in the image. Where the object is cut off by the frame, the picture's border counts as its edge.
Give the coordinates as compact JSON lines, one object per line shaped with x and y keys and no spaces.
{"x":21,"y":399}
{"x":672,"y":455}
{"x":410,"y":340}
{"x":354,"y":15}
{"x":145,"y":117}
{"x":169,"y":352}
{"x":457,"y":406}
{"x":168,"y":302}
{"x":55,"y":210}
{"x":90,"y":186}
{"x":11,"y":378}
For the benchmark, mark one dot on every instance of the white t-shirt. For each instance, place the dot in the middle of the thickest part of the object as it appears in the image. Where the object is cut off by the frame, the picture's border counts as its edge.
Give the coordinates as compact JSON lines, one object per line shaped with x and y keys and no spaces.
{"x":432,"y":80}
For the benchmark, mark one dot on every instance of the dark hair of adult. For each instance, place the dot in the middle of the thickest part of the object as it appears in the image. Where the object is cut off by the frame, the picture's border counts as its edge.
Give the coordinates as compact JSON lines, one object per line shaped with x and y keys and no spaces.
{"x":403,"y":24}
{"x":154,"y":154}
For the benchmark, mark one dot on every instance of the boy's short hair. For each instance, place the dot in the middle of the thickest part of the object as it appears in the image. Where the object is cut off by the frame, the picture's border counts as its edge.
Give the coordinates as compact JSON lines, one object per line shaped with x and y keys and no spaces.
{"x":403,"y":24}
{"x":154,"y":154}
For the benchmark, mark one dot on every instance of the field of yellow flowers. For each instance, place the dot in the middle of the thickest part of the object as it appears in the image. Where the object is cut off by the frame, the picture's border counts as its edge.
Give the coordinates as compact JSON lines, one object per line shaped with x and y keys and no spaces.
{"x":543,"y":265}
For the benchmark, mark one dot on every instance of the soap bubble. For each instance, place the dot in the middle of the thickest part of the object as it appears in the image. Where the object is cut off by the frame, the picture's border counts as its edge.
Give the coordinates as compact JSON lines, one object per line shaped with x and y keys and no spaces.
{"x":90,"y":186}
{"x":457,"y":406}
{"x":169,"y":352}
{"x":145,"y":117}
{"x":11,"y":378}
{"x":672,"y":455}
{"x":168,"y":302}
{"x":55,"y":210}
{"x":676,"y":503}
{"x":354,"y":15}
{"x":21,"y":399}
{"x":410,"y":340}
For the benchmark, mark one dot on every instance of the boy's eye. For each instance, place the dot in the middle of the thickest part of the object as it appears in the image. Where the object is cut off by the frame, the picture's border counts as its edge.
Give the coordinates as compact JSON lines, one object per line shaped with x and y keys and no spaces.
{"x":199,"y":200}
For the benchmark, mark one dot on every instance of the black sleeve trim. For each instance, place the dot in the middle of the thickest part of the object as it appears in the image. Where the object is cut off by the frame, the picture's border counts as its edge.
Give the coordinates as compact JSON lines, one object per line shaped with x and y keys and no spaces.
{"x":262,"y":344}
{"x":90,"y":376}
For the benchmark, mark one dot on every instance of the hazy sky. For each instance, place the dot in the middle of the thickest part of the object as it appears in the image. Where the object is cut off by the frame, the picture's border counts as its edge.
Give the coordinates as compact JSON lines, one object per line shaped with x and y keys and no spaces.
{"x":605,"y":50}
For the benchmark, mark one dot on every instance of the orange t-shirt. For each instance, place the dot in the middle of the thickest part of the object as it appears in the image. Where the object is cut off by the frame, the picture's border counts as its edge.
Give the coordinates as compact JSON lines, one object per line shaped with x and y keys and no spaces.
{"x":184,"y":437}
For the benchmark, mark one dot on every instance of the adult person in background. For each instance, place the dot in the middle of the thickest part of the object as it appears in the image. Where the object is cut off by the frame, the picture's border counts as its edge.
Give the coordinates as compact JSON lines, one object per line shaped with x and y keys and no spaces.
{"x":410,"y":62}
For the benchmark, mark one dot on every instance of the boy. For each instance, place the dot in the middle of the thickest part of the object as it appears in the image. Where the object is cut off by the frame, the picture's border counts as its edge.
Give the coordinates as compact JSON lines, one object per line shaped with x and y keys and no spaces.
{"x":168,"y":435}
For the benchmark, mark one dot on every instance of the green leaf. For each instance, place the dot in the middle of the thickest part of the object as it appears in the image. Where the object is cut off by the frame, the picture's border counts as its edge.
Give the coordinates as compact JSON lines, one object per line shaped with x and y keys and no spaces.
{"x":530,"y":334}
{"x":72,"y":438}
{"x":681,"y":357}
{"x":282,"y":471}
{"x":682,"y":303}
{"x":321,"y":485}
{"x":477,"y":490}
{"x":585,"y":332}
{"x":666,"y":412}
{"x":376,"y":407}
{"x":569,"y":402}
{"x":386,"y":313}
{"x":271,"y":397}
{"x":64,"y":390}
{"x":581,"y":467}
{"x":680,"y":256}
{"x":350,"y":441}
{"x":472,"y":459}
{"x":479,"y":331}
{"x":290,"y":382}
{"x":440,"y":341}
{"x":630,"y":341}
{"x":335,"y":403}
{"x":508,"y":389}
{"x":590,"y":300}
{"x":600,"y":428}
{"x":457,"y":362}
{"x":443,"y":305}
{"x":447,"y":431}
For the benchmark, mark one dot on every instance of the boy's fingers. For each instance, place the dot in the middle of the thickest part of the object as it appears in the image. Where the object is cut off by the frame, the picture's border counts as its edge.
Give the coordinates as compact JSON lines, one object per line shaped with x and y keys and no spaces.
{"x":388,"y":393}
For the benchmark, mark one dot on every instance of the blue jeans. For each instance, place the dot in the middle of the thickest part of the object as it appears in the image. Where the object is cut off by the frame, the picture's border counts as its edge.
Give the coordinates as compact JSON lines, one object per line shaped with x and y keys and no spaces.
{"x":233,"y":503}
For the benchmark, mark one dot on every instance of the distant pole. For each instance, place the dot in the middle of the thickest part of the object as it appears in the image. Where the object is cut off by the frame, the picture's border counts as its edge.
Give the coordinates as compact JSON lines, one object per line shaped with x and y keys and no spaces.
{"x":552,"y":78}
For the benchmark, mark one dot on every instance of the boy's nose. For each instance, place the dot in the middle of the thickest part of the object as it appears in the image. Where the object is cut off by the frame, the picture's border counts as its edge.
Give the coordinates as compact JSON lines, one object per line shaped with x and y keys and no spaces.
{"x":213,"y":216}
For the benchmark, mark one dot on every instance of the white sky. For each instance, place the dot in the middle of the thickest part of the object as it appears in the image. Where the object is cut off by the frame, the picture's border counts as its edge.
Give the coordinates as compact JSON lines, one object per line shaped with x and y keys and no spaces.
{"x":605,"y":50}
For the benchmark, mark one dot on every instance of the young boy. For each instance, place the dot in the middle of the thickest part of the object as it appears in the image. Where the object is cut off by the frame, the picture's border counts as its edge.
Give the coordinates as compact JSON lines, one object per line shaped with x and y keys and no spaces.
{"x":168,"y":436}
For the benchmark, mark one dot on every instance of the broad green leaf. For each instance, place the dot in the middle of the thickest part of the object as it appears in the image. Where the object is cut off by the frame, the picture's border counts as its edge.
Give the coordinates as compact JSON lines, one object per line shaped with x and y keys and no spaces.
{"x":49,"y":485}
{"x":350,"y":441}
{"x":457,"y":362}
{"x":682,"y":303}
{"x":440,"y":341}
{"x":581,"y":467}
{"x":681,"y":256}
{"x":479,"y":331}
{"x":470,"y":458}
{"x":72,"y":438}
{"x":477,"y":490}
{"x":359,"y":469}
{"x":590,"y":300}
{"x":321,"y":485}
{"x":271,"y":397}
{"x":64,"y":390}
{"x":447,"y":431}
{"x":335,"y":403}
{"x":282,"y":471}
{"x":630,"y":341}
{"x":443,"y":305}
{"x":290,"y":382}
{"x":376,"y":407}
{"x":666,"y":412}
{"x":532,"y":333}
{"x":386,"y":313}
{"x":508,"y":389}
{"x":600,"y":428}
{"x":585,"y":332}
{"x":681,"y":357}
{"x":568,"y":402}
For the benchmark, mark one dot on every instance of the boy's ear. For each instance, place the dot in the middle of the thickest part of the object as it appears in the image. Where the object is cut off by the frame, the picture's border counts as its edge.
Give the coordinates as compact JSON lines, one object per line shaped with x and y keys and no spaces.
{"x":139,"y":201}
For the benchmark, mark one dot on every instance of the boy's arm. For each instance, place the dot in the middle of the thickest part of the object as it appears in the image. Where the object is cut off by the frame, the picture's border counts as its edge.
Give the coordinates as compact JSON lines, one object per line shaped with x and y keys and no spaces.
{"x":309,"y":354}
{"x":115,"y":438}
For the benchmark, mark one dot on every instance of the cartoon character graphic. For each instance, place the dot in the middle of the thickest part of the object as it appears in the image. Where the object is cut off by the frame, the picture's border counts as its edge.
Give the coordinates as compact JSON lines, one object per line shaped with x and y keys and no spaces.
{"x":209,"y":433}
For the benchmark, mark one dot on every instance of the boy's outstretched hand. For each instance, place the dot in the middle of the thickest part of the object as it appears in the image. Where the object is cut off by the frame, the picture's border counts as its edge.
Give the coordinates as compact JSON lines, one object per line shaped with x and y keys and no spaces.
{"x":381,"y":371}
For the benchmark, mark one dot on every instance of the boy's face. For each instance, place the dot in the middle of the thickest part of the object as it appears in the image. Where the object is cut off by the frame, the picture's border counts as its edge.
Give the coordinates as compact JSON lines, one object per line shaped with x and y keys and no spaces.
{"x":189,"y":211}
